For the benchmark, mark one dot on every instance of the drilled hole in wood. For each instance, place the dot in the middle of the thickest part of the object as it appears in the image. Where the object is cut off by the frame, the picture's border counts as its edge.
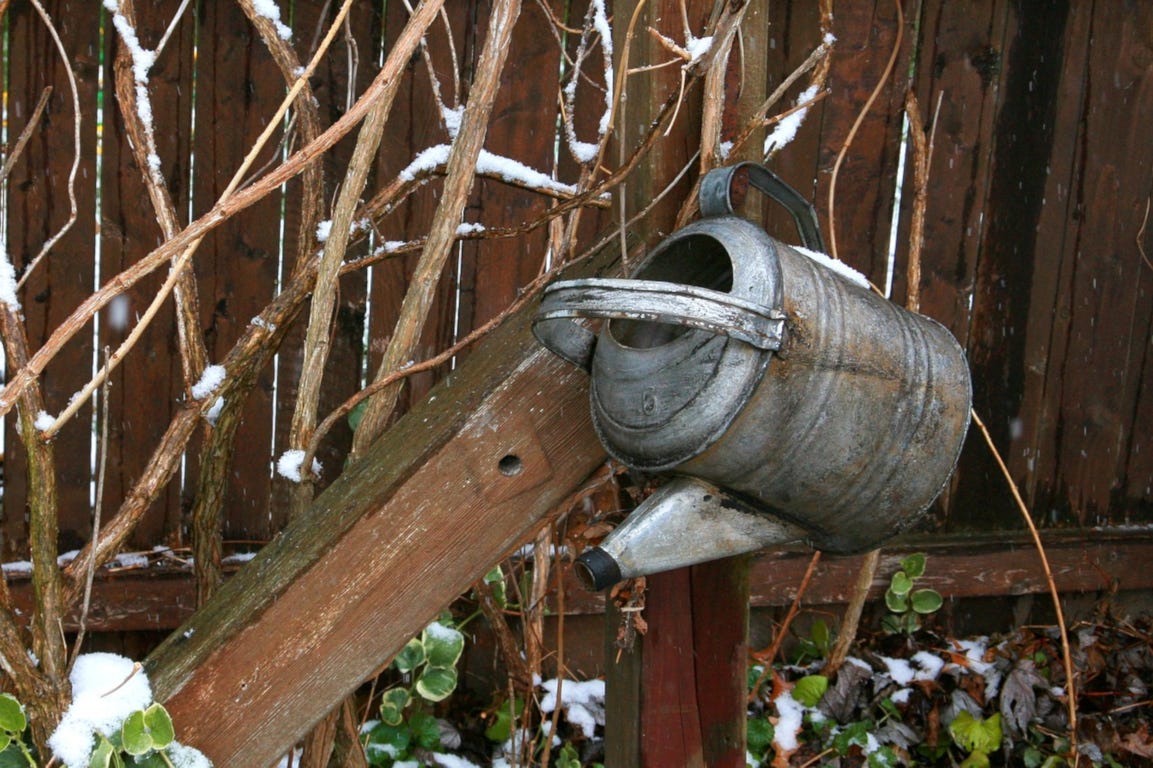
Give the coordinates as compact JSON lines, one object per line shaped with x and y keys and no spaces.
{"x":510,"y":465}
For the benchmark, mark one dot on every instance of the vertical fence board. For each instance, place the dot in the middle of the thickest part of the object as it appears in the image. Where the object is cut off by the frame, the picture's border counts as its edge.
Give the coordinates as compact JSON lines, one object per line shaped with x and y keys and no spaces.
{"x":147,"y":386}
{"x":1039,"y":187}
{"x":865,"y":33}
{"x":957,"y":64}
{"x":238,"y":86}
{"x":1109,"y":304}
{"x":1022,"y":146}
{"x":37,"y":208}
{"x":417,"y":124}
{"x":522,"y":128}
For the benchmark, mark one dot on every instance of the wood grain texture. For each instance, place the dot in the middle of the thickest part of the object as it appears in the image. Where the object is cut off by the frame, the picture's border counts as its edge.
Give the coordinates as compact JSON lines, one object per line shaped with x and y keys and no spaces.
{"x":394,"y":539}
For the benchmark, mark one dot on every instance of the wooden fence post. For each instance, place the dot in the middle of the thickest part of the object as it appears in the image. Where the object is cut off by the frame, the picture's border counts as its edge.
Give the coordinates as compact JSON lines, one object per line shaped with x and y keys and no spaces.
{"x":677,"y":698}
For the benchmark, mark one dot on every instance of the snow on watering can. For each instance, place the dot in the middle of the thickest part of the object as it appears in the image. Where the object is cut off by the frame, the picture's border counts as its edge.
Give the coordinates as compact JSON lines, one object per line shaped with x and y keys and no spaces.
{"x":787,"y":401}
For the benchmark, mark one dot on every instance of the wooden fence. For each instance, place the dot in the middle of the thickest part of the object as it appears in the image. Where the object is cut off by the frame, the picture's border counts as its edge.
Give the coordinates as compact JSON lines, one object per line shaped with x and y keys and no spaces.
{"x":1036,"y":246}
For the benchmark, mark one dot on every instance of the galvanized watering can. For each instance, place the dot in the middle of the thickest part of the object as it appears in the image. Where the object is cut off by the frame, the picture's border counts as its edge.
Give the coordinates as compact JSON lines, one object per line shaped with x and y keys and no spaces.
{"x":787,"y":402}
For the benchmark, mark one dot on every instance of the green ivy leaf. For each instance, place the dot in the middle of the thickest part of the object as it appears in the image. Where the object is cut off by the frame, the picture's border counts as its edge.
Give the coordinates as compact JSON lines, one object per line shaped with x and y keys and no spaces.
{"x":159,"y":725}
{"x":568,"y":757}
{"x":977,"y":759}
{"x":392,"y":705}
{"x":134,"y":734}
{"x":436,"y":683}
{"x":425,"y":730}
{"x":442,"y":645}
{"x":752,"y":674}
{"x":810,"y":689}
{"x":500,"y":729}
{"x":910,"y":623}
{"x":760,"y":735}
{"x":896,"y":603}
{"x":12,"y":757}
{"x":914,"y":565}
{"x":5,"y":740}
{"x":821,"y":636}
{"x":356,"y":414}
{"x":974,"y":735}
{"x":411,"y":656}
{"x":495,"y":580}
{"x":891,"y":624}
{"x":852,"y":735}
{"x":153,"y":760}
{"x":398,"y":737}
{"x":12,"y":717}
{"x":103,"y":755}
{"x":900,"y":583}
{"x":926,"y":601}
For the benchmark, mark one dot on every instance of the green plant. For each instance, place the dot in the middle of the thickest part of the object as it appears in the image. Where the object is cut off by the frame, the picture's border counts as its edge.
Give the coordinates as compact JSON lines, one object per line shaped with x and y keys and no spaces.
{"x":427,"y":665}
{"x":13,"y":722}
{"x":977,"y":737}
{"x":146,"y":738}
{"x":905,"y":603}
{"x":816,"y":645}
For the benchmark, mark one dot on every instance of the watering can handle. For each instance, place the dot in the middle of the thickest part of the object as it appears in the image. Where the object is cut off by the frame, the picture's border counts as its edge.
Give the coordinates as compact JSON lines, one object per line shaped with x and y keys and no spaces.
{"x":649,"y":301}
{"x":720,"y":186}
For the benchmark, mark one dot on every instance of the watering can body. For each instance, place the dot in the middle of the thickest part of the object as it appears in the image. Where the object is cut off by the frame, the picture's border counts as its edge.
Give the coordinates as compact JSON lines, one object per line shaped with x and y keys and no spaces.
{"x":769,"y":383}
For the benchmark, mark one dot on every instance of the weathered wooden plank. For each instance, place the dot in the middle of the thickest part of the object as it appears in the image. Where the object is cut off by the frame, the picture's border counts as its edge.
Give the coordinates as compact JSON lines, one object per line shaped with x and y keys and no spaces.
{"x":1030,"y":64}
{"x":959,"y":567}
{"x":451,"y":488}
{"x":669,"y":710}
{"x":523,"y":128}
{"x":1034,"y":433}
{"x":146,"y":388}
{"x":415,"y":125}
{"x":37,"y":208}
{"x":959,"y":63}
{"x":1109,"y":303}
{"x":866,"y":33}
{"x":126,"y":602}
{"x":238,"y":86}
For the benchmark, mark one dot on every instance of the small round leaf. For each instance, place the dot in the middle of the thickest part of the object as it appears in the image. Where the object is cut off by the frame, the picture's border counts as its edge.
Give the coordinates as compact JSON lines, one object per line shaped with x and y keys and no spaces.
{"x":396,"y":738}
{"x":810,"y":689}
{"x":411,"y":656}
{"x":442,"y":645}
{"x":901,"y":583}
{"x":392,"y":705}
{"x":159,"y":725}
{"x":134,"y":734}
{"x":5,"y":740}
{"x":895,"y":602}
{"x":12,"y":717}
{"x":926,"y":601}
{"x":436,"y":683}
{"x":914,"y":565}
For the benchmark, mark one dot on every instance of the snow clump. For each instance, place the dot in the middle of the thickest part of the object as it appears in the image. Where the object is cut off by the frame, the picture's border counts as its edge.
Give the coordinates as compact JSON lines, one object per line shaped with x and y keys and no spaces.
{"x":583,"y":702}
{"x":210,"y":381}
{"x":289,"y":463}
{"x":106,"y":689}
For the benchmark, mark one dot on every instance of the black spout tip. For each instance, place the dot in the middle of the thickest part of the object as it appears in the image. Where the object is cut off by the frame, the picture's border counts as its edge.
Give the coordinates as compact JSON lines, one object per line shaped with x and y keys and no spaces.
{"x":597,"y":570}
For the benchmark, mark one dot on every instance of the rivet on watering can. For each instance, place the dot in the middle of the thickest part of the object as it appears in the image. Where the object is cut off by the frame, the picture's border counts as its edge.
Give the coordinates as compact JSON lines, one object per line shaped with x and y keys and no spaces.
{"x":788,"y":402}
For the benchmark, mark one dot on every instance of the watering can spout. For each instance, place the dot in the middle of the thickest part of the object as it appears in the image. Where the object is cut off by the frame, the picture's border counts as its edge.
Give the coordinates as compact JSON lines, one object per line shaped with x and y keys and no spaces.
{"x":684,"y":522}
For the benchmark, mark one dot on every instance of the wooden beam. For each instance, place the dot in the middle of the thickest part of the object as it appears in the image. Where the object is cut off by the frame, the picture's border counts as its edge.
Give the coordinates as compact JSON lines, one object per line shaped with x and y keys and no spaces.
{"x":959,"y":566}
{"x":135,"y":600}
{"x":451,"y":489}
